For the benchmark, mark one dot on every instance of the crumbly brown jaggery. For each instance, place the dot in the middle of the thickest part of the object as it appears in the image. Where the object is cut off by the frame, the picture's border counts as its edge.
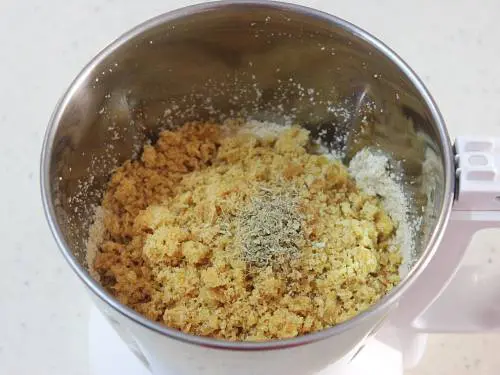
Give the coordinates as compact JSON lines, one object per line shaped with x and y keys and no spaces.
{"x":171,"y":249}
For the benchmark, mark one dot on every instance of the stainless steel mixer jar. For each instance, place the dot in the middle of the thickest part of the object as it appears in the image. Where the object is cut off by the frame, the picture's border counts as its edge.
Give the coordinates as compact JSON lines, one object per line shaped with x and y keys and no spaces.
{"x":271,"y":61}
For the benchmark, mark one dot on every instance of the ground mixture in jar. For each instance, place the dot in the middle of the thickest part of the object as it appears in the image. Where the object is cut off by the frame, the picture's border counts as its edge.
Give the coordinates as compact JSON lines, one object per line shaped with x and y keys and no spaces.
{"x":230,"y":234}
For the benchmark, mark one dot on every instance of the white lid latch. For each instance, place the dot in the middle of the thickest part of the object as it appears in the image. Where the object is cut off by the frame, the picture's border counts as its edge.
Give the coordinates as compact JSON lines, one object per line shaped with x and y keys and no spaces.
{"x":478,"y":173}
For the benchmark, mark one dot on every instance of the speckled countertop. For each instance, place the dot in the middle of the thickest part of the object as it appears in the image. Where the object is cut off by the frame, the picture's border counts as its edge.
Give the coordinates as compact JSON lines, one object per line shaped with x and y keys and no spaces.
{"x":453,"y":45}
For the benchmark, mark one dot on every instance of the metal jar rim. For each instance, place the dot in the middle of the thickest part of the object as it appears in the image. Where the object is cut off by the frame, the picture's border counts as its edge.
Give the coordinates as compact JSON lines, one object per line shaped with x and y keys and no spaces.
{"x":127,"y":312}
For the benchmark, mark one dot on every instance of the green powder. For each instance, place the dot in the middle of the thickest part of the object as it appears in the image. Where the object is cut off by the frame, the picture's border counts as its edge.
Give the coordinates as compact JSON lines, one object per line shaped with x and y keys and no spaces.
{"x":269,"y":229}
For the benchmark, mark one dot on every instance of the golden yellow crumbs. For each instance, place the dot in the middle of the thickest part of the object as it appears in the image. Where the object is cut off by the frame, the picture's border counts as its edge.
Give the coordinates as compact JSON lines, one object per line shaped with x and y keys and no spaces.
{"x":184,"y":245}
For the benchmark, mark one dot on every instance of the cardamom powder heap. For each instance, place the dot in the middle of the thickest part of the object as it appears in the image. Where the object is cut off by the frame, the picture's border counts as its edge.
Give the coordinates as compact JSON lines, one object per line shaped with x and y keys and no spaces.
{"x":270,"y":230}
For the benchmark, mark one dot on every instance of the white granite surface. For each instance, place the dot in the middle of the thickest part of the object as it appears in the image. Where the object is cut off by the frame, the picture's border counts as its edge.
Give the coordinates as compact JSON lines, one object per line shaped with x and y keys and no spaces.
{"x":453,"y":45}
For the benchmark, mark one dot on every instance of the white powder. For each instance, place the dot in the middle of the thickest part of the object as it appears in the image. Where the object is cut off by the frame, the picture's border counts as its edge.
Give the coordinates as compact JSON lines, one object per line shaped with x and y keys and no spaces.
{"x":272,"y":130}
{"x":371,"y":171}
{"x":264,"y":129}
{"x":333,"y":155}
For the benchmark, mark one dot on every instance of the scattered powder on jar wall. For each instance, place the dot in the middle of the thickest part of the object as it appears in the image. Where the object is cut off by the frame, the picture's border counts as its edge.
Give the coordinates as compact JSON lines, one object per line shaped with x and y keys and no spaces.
{"x":177,"y":238}
{"x":95,"y":239}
